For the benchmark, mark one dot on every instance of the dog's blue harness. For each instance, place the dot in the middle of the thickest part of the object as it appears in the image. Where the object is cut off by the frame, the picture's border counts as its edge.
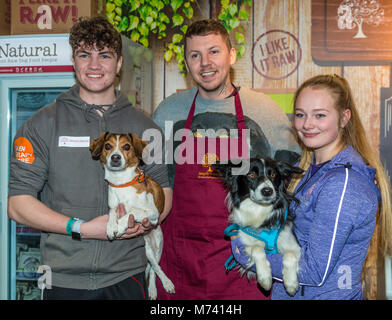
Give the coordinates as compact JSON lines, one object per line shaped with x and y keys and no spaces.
{"x":268,"y":236}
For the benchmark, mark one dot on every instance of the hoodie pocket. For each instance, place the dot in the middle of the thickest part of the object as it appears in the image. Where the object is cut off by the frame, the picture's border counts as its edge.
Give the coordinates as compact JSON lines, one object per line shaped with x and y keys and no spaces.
{"x":65,"y":255}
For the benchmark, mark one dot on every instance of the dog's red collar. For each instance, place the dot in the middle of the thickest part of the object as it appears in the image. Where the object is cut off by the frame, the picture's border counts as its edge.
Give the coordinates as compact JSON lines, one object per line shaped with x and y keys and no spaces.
{"x":138,"y":179}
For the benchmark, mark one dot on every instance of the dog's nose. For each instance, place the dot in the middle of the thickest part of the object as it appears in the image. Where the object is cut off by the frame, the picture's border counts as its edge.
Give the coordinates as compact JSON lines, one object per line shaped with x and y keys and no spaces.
{"x":115,"y":158}
{"x":267,"y":192}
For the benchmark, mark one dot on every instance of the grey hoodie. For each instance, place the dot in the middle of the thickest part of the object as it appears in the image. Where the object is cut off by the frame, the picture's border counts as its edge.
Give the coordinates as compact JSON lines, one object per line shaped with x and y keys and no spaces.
{"x":68,"y":180}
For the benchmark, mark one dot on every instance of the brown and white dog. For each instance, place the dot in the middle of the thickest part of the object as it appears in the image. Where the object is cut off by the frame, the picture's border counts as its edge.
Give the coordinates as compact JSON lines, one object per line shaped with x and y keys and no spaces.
{"x":120,"y":155}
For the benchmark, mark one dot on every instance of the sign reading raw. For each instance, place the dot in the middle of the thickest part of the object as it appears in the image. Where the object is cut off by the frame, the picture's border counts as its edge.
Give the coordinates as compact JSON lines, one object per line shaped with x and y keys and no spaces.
{"x":55,"y":16}
{"x":276,"y":54}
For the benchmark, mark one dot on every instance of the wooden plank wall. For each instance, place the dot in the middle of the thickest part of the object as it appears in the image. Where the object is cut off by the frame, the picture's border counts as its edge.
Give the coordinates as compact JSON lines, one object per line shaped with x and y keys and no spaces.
{"x":293,"y":16}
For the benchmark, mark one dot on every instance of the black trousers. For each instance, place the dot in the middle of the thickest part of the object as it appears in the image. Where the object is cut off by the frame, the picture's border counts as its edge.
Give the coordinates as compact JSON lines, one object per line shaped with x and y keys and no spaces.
{"x":132,"y":288}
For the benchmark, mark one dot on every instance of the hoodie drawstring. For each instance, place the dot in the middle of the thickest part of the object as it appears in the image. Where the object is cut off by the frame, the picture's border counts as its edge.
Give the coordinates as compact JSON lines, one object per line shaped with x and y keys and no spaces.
{"x":90,"y":107}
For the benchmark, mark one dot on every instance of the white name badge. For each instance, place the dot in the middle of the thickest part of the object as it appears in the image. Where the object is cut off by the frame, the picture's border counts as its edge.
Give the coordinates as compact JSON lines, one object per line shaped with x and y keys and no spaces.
{"x":74,"y":142}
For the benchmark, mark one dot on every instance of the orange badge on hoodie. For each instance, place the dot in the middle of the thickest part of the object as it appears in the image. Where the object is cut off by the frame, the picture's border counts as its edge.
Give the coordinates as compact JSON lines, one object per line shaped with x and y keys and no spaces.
{"x":24,"y":150}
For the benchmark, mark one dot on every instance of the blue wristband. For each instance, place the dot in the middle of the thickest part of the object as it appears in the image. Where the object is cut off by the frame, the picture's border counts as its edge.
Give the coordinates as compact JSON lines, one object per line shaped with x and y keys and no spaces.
{"x":69,"y":226}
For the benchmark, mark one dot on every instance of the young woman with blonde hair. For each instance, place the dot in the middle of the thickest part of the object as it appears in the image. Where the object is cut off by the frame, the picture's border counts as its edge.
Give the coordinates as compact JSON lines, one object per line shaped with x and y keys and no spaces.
{"x":342,"y":189}
{"x":354,"y":135}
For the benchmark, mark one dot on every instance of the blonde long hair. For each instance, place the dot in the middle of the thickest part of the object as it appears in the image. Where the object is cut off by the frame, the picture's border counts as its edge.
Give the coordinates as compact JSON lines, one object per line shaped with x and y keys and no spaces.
{"x":353,"y":134}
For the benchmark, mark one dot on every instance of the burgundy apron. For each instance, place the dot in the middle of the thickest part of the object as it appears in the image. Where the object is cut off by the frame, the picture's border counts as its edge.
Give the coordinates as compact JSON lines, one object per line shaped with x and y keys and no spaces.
{"x":195,"y":249}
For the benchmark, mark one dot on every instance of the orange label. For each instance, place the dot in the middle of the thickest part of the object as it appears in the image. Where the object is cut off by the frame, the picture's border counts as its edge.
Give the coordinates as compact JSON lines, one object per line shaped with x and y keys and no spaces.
{"x":24,"y":150}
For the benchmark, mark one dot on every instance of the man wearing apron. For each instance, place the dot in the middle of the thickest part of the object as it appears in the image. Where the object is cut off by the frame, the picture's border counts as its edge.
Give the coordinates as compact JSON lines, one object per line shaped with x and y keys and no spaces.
{"x":195,"y":248}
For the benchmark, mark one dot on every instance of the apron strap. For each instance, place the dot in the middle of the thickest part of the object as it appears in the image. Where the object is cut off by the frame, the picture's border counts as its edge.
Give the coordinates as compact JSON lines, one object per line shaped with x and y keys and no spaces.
{"x":188,"y":122}
{"x":238,"y":111}
{"x":240,"y":115}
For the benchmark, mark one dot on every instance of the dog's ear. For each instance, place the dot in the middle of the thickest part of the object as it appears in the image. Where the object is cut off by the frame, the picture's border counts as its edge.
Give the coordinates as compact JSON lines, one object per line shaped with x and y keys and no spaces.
{"x":97,"y":145}
{"x":286,"y":170}
{"x":138,"y":145}
{"x":229,"y":180}
{"x":224,"y":168}
{"x":220,"y":167}
{"x":231,"y":169}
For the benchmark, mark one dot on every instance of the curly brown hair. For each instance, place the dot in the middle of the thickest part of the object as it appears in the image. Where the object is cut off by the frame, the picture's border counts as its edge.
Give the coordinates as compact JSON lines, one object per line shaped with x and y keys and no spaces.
{"x":96,"y":31}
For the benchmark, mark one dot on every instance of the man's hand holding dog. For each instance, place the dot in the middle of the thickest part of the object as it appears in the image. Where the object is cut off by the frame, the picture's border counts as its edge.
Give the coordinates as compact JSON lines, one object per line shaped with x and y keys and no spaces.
{"x":96,"y":228}
{"x":134,"y":228}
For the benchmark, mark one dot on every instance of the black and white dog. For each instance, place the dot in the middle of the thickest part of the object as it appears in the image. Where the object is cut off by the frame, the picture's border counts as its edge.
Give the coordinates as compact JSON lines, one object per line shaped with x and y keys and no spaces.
{"x":258,"y":201}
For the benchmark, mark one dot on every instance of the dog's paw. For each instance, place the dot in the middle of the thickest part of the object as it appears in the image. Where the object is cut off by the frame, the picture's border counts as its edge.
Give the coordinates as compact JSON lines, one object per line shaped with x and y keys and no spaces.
{"x":290,"y":281}
{"x":154,"y":220}
{"x":153,"y":215}
{"x":111,"y":231}
{"x":122,"y":225}
{"x":111,"y":234}
{"x":168,"y":285}
{"x":290,"y":272}
{"x":152,"y":292}
{"x":291,"y":287}
{"x":265,"y":282}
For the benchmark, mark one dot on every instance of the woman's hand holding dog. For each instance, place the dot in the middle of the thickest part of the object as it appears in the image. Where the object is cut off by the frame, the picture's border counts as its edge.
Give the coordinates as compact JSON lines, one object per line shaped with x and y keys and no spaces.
{"x":238,"y":250}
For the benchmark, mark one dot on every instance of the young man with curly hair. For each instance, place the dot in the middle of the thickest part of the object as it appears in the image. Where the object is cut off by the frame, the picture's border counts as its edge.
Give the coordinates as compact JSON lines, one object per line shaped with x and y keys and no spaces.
{"x":62,"y":192}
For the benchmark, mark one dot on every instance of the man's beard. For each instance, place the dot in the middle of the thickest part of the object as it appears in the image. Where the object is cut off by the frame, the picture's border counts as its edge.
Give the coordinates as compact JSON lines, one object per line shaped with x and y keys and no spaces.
{"x":224,"y":88}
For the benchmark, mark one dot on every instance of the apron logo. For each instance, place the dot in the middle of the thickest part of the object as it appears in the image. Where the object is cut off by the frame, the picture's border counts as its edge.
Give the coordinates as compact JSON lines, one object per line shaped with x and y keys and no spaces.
{"x":208,"y":160}
{"x":198,"y":134}
{"x":24,"y":150}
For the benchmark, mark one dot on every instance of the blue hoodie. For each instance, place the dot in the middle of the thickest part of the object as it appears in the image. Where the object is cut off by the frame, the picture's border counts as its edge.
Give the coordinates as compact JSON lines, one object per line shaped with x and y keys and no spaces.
{"x":334,"y":222}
